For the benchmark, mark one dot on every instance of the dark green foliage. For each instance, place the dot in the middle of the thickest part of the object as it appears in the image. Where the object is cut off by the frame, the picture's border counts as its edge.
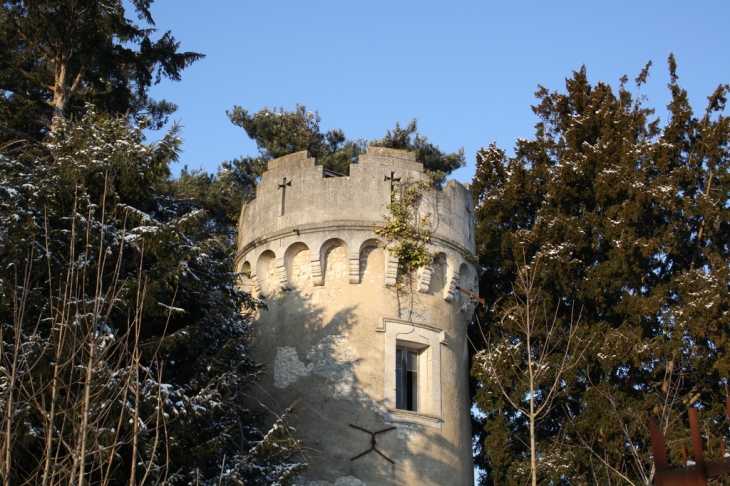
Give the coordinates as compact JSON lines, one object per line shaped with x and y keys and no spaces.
{"x":122,"y":332}
{"x":123,"y":337}
{"x":435,"y":162}
{"x":631,"y":221}
{"x":279,"y":132}
{"x":58,"y":55}
{"x":221,"y":195}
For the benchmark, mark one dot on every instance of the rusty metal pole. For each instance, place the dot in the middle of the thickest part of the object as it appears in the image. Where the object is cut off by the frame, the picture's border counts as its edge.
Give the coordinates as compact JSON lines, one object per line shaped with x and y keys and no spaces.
{"x":694,"y":426}
{"x":695,"y":474}
{"x":658,"y":446}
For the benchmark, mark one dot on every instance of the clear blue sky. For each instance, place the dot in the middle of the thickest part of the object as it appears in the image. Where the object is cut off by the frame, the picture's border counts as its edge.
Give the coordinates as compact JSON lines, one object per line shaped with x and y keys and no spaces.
{"x":466,"y":70}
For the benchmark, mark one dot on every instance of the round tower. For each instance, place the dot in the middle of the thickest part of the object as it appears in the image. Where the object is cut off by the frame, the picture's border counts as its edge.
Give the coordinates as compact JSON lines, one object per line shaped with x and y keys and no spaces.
{"x":379,"y":370}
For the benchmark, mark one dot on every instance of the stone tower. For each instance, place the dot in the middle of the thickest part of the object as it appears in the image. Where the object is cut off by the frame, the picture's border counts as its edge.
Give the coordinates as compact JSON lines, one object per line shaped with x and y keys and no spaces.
{"x":358,"y":353}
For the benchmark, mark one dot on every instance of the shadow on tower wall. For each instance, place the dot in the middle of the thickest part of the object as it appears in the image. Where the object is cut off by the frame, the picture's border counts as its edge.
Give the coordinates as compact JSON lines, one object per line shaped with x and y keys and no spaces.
{"x":324,"y":358}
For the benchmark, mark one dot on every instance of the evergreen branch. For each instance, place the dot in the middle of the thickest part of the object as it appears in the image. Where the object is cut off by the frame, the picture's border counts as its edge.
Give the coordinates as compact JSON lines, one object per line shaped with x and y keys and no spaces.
{"x":19,"y":134}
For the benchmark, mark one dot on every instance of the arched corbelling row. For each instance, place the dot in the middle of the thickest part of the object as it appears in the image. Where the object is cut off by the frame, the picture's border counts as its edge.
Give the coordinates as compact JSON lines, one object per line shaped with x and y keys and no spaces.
{"x":391,"y":269}
{"x":294,"y":266}
{"x":424,"y":275}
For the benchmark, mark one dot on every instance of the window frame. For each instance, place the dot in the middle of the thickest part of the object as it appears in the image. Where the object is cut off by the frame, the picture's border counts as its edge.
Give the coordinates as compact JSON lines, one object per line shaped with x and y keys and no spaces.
{"x":427,"y":341}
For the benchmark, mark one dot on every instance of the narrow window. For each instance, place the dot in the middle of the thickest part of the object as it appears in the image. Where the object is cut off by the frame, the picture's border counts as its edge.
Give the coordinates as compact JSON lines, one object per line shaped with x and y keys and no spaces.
{"x":406,"y":379}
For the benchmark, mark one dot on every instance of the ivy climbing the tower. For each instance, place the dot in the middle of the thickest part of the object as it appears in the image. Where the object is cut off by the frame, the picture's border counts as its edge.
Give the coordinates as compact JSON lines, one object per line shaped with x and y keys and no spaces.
{"x":407,"y":232}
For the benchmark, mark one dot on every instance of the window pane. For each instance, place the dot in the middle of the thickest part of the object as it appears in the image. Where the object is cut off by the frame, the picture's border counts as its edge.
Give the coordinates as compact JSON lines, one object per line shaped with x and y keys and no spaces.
{"x":412,"y":387}
{"x":399,"y":379}
{"x":406,"y":379}
{"x":411,"y":391}
{"x":412,"y":361}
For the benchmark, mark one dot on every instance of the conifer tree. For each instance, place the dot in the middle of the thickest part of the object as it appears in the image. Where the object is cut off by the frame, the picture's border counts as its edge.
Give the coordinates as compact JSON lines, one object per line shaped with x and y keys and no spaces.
{"x":123,"y":340}
{"x":435,"y":162}
{"x":279,"y":132}
{"x":630,"y":220}
{"x":123,"y":346}
{"x":58,"y":55}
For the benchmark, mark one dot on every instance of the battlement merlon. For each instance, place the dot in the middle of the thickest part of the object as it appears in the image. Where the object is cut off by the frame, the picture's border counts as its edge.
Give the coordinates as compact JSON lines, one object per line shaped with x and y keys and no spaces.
{"x":296,"y":194}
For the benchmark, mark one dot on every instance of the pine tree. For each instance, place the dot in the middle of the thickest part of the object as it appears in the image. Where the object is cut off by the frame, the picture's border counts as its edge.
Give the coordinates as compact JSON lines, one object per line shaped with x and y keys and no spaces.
{"x":279,"y":132}
{"x":631,"y":221}
{"x":56,"y":56}
{"x":435,"y":162}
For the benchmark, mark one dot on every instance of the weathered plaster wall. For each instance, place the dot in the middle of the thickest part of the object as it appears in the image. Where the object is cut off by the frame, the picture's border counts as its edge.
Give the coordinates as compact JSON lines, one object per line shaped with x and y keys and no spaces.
{"x":328,"y":282}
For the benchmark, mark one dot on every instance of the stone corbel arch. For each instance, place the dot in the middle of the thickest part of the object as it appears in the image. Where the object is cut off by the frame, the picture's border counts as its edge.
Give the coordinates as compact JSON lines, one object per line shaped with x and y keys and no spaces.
{"x":315,"y":245}
{"x":465,"y":277}
{"x":450,"y":283}
{"x":281,"y":272}
{"x":364,"y":247}
{"x":449,"y":276}
{"x":466,"y":282}
{"x":354,"y":267}
{"x":424,"y":279}
{"x":246,"y":279}
{"x":265,"y":263}
{"x":391,"y":268}
{"x":289,"y":261}
{"x":324,"y":249}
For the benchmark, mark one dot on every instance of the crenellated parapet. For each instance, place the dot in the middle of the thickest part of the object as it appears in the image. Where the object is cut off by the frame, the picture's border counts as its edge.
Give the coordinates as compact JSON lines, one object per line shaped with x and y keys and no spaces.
{"x":301,"y":207}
